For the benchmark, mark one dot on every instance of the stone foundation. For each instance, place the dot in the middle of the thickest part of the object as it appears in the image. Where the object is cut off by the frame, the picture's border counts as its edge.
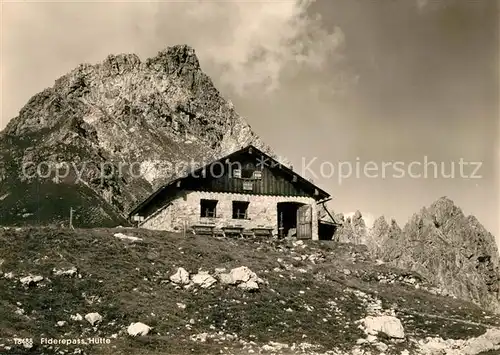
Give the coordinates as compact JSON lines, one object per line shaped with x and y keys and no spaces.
{"x":262,"y":212}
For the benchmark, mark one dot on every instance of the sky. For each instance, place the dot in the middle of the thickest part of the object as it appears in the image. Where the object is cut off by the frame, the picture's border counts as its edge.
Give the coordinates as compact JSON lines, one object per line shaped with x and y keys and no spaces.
{"x":330,"y":84}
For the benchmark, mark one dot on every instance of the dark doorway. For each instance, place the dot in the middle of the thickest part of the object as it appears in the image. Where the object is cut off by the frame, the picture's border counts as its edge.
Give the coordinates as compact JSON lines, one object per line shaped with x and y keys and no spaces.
{"x":326,"y":230}
{"x":287,"y":218}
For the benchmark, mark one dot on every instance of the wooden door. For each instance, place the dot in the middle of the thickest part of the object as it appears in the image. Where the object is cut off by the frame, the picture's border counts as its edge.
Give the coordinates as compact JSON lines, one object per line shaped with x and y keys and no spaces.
{"x":304,"y":222}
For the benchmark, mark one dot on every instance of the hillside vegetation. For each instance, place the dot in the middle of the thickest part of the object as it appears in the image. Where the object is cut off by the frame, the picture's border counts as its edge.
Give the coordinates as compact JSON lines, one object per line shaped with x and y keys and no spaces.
{"x":308,"y":298}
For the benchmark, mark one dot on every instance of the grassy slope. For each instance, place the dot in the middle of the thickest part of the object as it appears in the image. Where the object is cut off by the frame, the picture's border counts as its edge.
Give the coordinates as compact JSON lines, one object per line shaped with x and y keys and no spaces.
{"x":26,"y":202}
{"x":131,"y":282}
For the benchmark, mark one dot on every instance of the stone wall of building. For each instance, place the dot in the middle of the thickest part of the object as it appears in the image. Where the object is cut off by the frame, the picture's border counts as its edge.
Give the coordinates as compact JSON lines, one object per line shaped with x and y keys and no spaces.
{"x":262,"y":211}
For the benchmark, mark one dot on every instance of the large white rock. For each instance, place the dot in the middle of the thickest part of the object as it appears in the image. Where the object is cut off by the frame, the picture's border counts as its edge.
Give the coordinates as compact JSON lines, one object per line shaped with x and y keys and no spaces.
{"x":127,"y":237}
{"x":26,"y":281}
{"x":226,"y":279}
{"x":249,"y":286}
{"x":180,"y":277}
{"x":78,"y":317}
{"x":484,"y":343}
{"x":243,"y":274}
{"x":93,"y":318}
{"x":203,"y":279}
{"x":69,"y":272}
{"x":243,"y":277}
{"x":135,"y":329}
{"x":389,"y":325}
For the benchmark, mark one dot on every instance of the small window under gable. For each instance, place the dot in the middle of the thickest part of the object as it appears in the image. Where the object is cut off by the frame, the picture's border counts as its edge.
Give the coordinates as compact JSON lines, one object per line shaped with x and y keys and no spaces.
{"x":237,"y":173}
{"x":240,"y":209}
{"x":248,"y":171}
{"x":208,"y":208}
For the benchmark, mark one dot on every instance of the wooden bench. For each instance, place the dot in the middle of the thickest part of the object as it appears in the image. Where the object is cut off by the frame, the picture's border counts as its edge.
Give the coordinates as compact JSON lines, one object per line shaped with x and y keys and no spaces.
{"x":263,"y":231}
{"x":203,"y":229}
{"x":218,"y":232}
{"x":232,"y":230}
{"x":247,"y":233}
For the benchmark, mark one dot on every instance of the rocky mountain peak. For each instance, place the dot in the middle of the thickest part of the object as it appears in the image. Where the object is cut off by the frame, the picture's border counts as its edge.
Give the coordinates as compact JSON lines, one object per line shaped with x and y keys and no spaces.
{"x":357,"y":219}
{"x":175,"y":59}
{"x":444,"y":210}
{"x":160,"y":115}
{"x":380,"y":223}
{"x":439,"y":242}
{"x":452,"y":250}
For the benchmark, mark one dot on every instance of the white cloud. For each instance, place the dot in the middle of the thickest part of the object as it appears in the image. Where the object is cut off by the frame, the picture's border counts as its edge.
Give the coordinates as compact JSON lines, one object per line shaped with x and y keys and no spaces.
{"x":255,"y":44}
{"x":245,"y":46}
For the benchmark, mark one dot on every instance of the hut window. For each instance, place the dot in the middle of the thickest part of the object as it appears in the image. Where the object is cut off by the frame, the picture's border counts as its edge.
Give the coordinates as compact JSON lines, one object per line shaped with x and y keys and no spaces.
{"x":208,"y":208}
{"x":247,"y":173}
{"x":240,"y":209}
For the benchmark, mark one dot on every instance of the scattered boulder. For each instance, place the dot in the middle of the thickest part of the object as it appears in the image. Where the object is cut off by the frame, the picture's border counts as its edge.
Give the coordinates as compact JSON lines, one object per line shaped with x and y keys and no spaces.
{"x":249,"y":286}
{"x":93,"y":318}
{"x":220,"y":270}
{"x":135,"y":329}
{"x":245,"y":278}
{"x":244,"y":274}
{"x":483,"y":344}
{"x":127,"y":237}
{"x":31,"y":280}
{"x":346,"y":272}
{"x":203,"y":279}
{"x":274,"y":346}
{"x":202,"y":337}
{"x":180,"y":277}
{"x":69,"y":272}
{"x":78,"y":317}
{"x":299,"y":243}
{"x":226,"y":279}
{"x":487,"y":342}
{"x":389,"y":325}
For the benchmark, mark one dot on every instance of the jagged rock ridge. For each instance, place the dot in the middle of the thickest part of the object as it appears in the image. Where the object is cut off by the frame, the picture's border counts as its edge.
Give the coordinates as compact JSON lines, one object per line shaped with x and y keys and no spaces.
{"x":135,"y":122}
{"x":439,"y":242}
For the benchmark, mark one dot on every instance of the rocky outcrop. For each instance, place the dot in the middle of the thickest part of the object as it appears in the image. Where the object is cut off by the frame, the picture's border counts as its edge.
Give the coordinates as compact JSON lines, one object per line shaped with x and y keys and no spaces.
{"x":352,"y":230}
{"x":120,"y":129}
{"x":451,"y":250}
{"x":383,"y":235}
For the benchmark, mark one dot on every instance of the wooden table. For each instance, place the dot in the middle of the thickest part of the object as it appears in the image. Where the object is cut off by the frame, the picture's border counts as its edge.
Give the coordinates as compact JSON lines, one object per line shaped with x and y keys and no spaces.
{"x":232,"y":230}
{"x":203,"y":229}
{"x":263,"y":231}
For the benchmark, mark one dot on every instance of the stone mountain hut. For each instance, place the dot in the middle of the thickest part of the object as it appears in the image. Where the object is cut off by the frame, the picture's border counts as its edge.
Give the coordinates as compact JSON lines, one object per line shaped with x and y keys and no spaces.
{"x":246,"y":193}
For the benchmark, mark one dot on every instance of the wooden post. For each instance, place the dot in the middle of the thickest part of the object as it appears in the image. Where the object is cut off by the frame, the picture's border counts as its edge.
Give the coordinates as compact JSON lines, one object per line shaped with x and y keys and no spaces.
{"x":71,"y":218}
{"x":280,"y":227}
